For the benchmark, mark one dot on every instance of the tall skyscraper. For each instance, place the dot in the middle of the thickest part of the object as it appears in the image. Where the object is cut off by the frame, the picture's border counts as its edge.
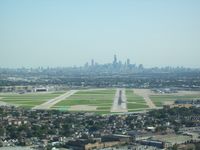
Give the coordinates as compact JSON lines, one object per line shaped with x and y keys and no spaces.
{"x":128,"y":62}
{"x":92,"y":62}
{"x":115,"y":60}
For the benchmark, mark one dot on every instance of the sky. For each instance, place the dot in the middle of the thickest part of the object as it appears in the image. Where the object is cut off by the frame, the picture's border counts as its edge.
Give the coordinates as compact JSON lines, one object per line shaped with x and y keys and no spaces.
{"x":62,"y":33}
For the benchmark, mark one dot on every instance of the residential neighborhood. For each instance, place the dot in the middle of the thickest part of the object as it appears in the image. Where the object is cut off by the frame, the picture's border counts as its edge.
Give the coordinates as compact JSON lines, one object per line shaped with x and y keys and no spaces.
{"x":42,"y":129}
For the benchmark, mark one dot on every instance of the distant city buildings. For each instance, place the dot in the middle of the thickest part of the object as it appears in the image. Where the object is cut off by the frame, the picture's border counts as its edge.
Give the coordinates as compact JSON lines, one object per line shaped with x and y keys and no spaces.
{"x":117,"y":66}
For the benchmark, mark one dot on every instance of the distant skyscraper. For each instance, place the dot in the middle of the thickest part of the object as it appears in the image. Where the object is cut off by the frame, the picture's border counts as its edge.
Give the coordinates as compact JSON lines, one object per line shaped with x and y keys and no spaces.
{"x":128,"y":62}
{"x":92,"y":62}
{"x":86,"y":64}
{"x":115,"y":59}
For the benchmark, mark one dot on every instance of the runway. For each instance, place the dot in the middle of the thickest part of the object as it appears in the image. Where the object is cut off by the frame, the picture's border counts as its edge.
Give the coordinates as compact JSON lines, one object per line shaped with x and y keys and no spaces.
{"x":52,"y":102}
{"x":120,"y":101}
{"x":145,"y":94}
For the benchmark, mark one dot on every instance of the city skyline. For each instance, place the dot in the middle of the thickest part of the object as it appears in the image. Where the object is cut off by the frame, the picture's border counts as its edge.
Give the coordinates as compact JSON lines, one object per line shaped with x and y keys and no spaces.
{"x":114,"y":62}
{"x":67,"y":33}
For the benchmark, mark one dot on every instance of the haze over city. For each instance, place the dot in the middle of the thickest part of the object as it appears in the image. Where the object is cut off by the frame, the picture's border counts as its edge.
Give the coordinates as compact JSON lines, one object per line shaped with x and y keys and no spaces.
{"x":99,"y":74}
{"x":67,"y":33}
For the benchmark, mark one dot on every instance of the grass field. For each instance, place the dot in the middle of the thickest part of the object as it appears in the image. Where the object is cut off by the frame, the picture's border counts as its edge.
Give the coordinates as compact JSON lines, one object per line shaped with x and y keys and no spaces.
{"x":135,"y":102}
{"x":101,"y":99}
{"x":160,"y":99}
{"x":28,"y":100}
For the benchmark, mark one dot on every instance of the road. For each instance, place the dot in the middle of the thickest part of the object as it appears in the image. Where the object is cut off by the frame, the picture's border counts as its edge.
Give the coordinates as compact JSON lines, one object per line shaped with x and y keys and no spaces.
{"x":52,"y":102}
{"x":145,"y":94}
{"x":120,"y":101}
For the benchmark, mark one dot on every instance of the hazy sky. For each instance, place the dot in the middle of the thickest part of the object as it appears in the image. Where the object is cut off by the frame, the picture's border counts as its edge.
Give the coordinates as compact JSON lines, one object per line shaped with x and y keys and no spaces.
{"x":70,"y":32}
